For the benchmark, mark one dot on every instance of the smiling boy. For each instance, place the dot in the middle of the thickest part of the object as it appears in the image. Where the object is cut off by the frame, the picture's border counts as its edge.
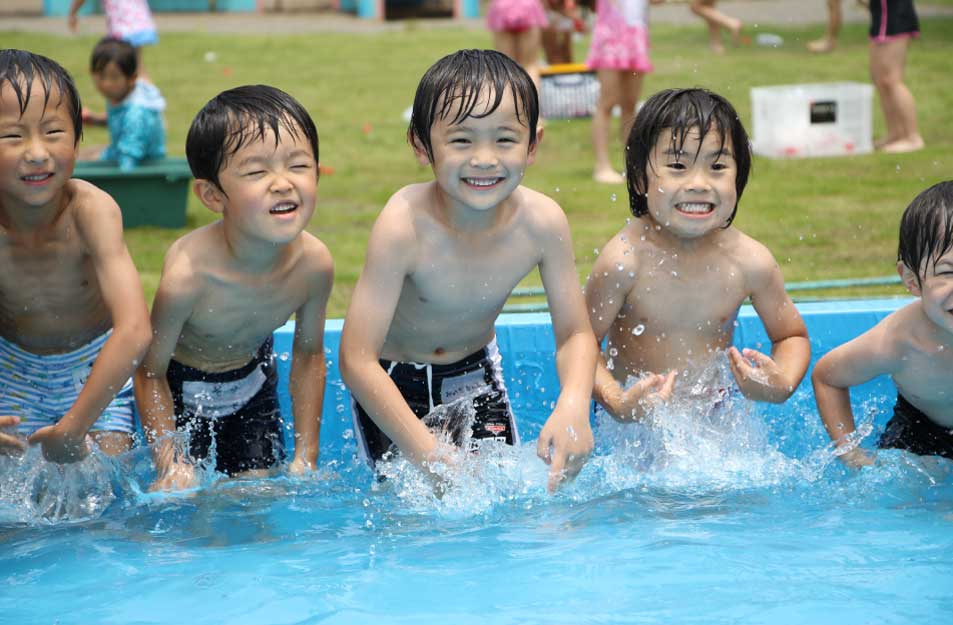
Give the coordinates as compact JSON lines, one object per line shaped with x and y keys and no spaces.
{"x":667,"y":288}
{"x":73,"y":321}
{"x":442,"y":259}
{"x":914,"y":345}
{"x":227,"y":286}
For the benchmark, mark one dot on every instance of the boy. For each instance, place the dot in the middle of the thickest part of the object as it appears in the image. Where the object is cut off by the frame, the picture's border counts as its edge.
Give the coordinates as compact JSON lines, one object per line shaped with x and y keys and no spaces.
{"x":73,"y":322}
{"x":914,"y":345}
{"x":133,"y":107}
{"x":667,"y":288}
{"x":442,"y":259}
{"x":227,"y":286}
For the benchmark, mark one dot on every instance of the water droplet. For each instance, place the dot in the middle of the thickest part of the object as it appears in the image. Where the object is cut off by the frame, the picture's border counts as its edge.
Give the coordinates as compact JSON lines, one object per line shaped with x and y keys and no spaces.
{"x":638,"y":330}
{"x":613,"y":352}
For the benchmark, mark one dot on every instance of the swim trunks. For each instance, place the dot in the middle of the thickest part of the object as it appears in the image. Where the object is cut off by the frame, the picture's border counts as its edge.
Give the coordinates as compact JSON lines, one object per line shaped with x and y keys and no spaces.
{"x":40,"y":389}
{"x":425,"y":386}
{"x":890,"y":19}
{"x":231,"y":413}
{"x":913,"y":431}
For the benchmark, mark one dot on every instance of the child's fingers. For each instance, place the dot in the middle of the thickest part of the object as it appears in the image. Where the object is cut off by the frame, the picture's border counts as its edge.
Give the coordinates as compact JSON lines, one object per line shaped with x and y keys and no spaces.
{"x":557,"y":471}
{"x":11,"y":444}
{"x":543,"y":446}
{"x":759,"y":358}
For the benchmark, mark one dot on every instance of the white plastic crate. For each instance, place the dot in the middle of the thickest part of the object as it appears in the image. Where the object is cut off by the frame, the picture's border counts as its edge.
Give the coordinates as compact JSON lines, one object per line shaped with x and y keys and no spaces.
{"x":822,"y":119}
{"x":568,"y":91}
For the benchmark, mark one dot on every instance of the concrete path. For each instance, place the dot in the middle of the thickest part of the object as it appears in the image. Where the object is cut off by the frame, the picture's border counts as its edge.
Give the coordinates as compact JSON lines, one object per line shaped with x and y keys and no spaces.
{"x":760,"y":12}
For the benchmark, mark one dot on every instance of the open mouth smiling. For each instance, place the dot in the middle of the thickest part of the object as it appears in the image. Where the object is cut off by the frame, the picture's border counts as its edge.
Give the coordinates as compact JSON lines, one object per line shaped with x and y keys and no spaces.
{"x":483,"y":183}
{"x":695,"y":209}
{"x":36,"y":178}
{"x":283,"y":208}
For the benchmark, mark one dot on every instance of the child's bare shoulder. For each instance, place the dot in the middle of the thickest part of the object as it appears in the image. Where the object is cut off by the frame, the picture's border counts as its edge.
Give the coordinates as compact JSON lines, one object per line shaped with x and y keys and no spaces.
{"x":539,"y":209}
{"x":398,"y":218}
{"x":93,"y":210}
{"x":315,"y":256}
{"x":620,"y":254}
{"x":189,"y":260}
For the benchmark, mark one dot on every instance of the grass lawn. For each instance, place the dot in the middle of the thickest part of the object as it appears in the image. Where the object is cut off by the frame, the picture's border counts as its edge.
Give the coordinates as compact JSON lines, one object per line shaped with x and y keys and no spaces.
{"x":822,"y":218}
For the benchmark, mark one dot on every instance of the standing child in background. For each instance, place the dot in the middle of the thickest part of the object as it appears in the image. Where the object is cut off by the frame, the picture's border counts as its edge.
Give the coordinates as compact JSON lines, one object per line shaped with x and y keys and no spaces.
{"x":133,"y":106}
{"x":892,"y":24}
{"x":914,"y":345}
{"x":716,"y":20}
{"x":667,"y":288}
{"x":129,"y":20}
{"x":227,"y":286}
{"x":442,"y":259}
{"x":517,"y":32}
{"x":73,"y":322}
{"x":620,"y":55}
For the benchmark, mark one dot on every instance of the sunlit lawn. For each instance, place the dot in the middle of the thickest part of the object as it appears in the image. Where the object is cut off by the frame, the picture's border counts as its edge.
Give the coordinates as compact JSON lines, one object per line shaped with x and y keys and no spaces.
{"x":822,"y":218}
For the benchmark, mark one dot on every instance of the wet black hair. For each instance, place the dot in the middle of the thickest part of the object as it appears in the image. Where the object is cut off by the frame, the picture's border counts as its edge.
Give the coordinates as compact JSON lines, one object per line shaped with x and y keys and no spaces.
{"x":19,"y":68}
{"x":926,"y":228}
{"x":237,"y":117}
{"x":452,"y":87}
{"x":114,"y":50}
{"x":679,"y":111}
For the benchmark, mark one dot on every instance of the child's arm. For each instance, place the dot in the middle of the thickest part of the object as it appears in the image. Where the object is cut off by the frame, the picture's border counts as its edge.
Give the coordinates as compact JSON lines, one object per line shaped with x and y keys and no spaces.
{"x":566,"y":440}
{"x":773,"y":378}
{"x":308,"y":369}
{"x":606,"y":291}
{"x":171,"y":308}
{"x":99,"y":224}
{"x":869,"y":355}
{"x":390,"y":253}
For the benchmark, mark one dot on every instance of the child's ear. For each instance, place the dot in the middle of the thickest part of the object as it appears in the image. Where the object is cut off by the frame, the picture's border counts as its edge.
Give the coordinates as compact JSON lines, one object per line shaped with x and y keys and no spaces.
{"x":540,"y":131}
{"x":420,"y":152}
{"x":909,"y":278}
{"x":210,"y":195}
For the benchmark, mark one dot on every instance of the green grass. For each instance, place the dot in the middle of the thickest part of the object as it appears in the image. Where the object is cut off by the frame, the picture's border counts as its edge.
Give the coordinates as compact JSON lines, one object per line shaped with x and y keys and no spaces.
{"x":822,"y":218}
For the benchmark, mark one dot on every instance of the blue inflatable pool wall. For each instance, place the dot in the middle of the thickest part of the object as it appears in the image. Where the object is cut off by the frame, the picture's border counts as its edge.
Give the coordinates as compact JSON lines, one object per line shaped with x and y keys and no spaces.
{"x":528,"y":348}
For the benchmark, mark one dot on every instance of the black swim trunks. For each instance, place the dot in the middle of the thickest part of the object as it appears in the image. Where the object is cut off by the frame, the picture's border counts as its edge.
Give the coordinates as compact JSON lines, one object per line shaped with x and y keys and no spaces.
{"x":426,"y":386}
{"x":913,"y":431}
{"x":893,"y":18}
{"x":236,"y":411}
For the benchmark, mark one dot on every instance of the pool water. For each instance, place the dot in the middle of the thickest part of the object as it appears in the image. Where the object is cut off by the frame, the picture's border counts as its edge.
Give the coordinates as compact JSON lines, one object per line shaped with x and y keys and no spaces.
{"x":739,"y":515}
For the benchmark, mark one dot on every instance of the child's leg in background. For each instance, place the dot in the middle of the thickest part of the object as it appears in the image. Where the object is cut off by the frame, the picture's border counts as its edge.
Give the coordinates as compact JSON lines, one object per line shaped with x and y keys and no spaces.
{"x":887,"y":61}
{"x":829,"y":40}
{"x":630,"y":88}
{"x":610,"y":89}
{"x":717,"y":20}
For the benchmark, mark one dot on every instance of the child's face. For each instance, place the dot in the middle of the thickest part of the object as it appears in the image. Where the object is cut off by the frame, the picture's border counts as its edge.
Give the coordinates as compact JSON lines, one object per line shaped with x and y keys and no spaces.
{"x":113,"y":84}
{"x":269,"y":191}
{"x":935,"y":290}
{"x":480,"y":161}
{"x":687,"y":195}
{"x":37,"y":149}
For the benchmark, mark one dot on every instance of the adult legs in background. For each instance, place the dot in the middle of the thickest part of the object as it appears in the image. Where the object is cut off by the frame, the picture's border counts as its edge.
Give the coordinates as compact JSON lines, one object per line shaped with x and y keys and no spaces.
{"x":717,"y":20}
{"x":829,"y":41}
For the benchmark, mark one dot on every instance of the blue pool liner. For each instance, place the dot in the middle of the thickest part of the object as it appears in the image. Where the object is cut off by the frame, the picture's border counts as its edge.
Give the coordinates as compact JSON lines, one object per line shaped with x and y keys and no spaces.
{"x":528,"y":347}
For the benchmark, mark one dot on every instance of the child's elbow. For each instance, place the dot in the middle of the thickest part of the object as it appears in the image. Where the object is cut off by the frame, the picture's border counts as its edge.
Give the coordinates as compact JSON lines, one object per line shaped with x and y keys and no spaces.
{"x":139,"y":335}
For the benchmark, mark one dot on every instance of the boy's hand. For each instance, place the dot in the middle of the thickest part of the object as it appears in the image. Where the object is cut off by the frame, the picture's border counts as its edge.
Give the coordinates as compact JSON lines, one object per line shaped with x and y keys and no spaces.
{"x":565,"y":443}
{"x":59,"y":445}
{"x":300,"y":466}
{"x":644,"y":395}
{"x":177,"y":476}
{"x":856,"y":458}
{"x":10,"y":443}
{"x":758,"y":376}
